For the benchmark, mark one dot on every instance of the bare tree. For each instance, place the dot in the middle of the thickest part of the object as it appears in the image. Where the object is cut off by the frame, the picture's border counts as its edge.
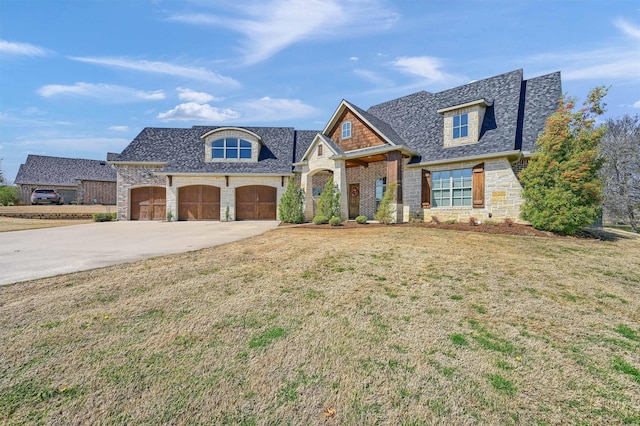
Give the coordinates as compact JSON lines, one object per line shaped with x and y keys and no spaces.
{"x":620,"y":148}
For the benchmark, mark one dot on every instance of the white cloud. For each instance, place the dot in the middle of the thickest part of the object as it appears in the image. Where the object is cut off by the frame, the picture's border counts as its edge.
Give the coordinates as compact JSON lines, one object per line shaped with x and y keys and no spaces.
{"x":628,"y":28}
{"x":21,"y":49}
{"x":636,"y":104}
{"x":119,"y":128}
{"x":372,"y":77}
{"x":196,"y":73}
{"x":354,"y":59}
{"x":276,"y":109}
{"x":426,"y":67}
{"x":105,"y":92}
{"x":72,"y":145}
{"x":192,"y":111}
{"x":198,"y":97}
{"x":271,"y":26}
{"x":620,"y":62}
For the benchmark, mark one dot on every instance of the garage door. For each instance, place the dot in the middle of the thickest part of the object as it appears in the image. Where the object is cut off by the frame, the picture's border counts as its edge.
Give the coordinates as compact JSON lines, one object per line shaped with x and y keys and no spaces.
{"x":256,"y":203}
{"x":199,"y":202}
{"x":149,"y":203}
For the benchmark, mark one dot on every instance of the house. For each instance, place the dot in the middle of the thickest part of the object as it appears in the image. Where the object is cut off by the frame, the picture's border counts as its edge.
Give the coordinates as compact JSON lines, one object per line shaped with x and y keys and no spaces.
{"x":454,"y":154}
{"x":80,"y":180}
{"x":206,"y":172}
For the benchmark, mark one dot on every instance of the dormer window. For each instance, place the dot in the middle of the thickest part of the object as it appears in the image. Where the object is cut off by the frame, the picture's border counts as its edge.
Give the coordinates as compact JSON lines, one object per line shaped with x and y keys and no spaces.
{"x":231,"y":144}
{"x":231,"y":148}
{"x":346,"y":130}
{"x":460,"y":126}
{"x":320,"y":150}
{"x":462,"y":123}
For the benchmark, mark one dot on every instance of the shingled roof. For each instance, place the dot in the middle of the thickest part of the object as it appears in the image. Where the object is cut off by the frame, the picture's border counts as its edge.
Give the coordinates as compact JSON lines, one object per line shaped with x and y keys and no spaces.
{"x":183,"y":150}
{"x":515,"y":116}
{"x":60,"y":171}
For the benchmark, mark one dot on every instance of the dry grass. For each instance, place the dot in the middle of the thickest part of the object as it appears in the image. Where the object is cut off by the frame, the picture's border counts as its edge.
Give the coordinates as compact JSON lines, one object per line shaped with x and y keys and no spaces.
{"x":367,"y":326}
{"x":17,"y":224}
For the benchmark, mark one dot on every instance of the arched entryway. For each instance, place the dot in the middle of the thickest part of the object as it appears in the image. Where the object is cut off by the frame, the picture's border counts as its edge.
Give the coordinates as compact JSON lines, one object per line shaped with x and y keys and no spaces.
{"x":199,"y":202}
{"x":148,"y":203}
{"x":256,"y":202}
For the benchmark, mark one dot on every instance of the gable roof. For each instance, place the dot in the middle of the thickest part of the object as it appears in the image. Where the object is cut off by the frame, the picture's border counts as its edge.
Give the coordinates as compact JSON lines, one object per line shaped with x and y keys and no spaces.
{"x":60,"y":171}
{"x":183,"y":150}
{"x":516,"y":112}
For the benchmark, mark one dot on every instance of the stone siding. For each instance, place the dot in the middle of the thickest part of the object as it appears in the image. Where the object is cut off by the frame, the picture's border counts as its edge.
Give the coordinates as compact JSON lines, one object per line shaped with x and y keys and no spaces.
{"x":227,"y":193}
{"x":130,"y":177}
{"x":502,"y":194}
{"x":134,"y":177}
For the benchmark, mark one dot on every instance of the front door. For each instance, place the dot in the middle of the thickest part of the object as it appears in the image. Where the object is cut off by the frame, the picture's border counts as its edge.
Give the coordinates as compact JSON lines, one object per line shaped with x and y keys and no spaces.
{"x":354,"y":200}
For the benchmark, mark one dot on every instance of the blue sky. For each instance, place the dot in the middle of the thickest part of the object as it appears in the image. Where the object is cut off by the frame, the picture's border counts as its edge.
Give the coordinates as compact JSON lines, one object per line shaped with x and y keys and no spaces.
{"x":82,"y":78}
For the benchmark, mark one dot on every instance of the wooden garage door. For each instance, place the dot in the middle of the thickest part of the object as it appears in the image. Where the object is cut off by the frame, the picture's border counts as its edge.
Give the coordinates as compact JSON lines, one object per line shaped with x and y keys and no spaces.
{"x":149,"y":203}
{"x":199,"y":202}
{"x":256,"y":203}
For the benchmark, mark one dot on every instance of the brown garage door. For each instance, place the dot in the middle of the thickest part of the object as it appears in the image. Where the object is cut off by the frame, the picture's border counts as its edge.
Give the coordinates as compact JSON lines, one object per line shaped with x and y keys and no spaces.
{"x":256,"y":203}
{"x":199,"y":202}
{"x":149,"y":203}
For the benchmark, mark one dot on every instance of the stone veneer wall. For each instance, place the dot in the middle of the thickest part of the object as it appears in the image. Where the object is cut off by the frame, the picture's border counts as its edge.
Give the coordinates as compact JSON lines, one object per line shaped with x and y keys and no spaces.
{"x":502,"y":194}
{"x":227,"y":193}
{"x":137,"y":176}
{"x":133,"y":177}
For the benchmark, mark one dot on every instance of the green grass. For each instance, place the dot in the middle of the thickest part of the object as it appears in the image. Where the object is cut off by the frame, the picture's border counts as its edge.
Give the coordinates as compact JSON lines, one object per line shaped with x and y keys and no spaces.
{"x":502,"y":384}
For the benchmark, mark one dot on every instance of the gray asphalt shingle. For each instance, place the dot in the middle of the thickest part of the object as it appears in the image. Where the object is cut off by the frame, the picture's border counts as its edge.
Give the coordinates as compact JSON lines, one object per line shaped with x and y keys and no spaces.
{"x":515,"y":116}
{"x":60,"y":171}
{"x":416,"y":120}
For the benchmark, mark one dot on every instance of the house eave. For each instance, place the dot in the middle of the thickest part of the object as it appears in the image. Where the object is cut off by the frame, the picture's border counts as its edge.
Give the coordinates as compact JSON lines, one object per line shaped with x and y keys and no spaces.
{"x":217,"y":174}
{"x":138,"y":163}
{"x":513,"y":154}
{"x":374,"y":151}
{"x":482,"y":102}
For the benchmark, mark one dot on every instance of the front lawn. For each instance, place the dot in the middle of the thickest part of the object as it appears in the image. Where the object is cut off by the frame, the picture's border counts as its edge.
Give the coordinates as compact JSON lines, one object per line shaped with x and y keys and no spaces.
{"x":373,"y":325}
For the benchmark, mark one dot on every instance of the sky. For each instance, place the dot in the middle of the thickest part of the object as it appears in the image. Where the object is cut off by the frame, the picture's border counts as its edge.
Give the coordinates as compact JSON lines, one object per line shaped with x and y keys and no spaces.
{"x":80,"y":78}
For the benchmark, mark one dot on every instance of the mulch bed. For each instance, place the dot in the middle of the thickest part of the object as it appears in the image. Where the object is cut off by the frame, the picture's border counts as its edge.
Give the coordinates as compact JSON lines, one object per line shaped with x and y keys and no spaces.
{"x":516,"y":229}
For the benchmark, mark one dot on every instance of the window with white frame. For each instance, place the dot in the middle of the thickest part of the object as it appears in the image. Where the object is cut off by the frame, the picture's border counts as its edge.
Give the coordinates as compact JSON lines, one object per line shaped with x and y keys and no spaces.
{"x":452,"y":188}
{"x":232,"y":148}
{"x":346,"y":130}
{"x":460,"y":126}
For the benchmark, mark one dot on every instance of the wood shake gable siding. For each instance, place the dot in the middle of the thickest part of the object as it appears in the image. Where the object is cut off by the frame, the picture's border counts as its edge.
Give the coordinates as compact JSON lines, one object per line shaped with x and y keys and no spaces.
{"x":362,"y":136}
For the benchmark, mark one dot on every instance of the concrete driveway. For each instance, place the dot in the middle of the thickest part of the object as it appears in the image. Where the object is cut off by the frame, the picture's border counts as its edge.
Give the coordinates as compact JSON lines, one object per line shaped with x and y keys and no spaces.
{"x":39,"y":253}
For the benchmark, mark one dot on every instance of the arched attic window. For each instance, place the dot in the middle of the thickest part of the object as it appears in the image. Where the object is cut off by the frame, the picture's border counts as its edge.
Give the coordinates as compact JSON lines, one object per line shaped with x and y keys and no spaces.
{"x":231,"y":144}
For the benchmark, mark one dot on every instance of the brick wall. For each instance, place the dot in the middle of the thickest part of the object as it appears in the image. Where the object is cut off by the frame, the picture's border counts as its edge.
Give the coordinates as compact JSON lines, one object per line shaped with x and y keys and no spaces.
{"x":366,"y":177}
{"x":103,"y":192}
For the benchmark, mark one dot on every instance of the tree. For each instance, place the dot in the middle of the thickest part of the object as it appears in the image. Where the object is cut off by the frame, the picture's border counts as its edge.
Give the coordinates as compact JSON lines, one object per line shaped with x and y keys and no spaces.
{"x":562,"y":188}
{"x":291,"y":206}
{"x":620,"y":149}
{"x":385,"y":210}
{"x":329,"y":201}
{"x":2,"y":179}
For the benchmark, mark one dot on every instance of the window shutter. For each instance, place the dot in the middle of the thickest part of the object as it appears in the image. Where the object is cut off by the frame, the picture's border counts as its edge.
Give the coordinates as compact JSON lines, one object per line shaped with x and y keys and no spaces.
{"x":426,"y":189}
{"x":478,"y":186}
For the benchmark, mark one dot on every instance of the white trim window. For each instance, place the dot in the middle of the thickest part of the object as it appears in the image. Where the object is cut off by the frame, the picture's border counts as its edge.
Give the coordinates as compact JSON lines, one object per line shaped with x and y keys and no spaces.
{"x":452,"y":188}
{"x":234,"y":148}
{"x":346,"y":130}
